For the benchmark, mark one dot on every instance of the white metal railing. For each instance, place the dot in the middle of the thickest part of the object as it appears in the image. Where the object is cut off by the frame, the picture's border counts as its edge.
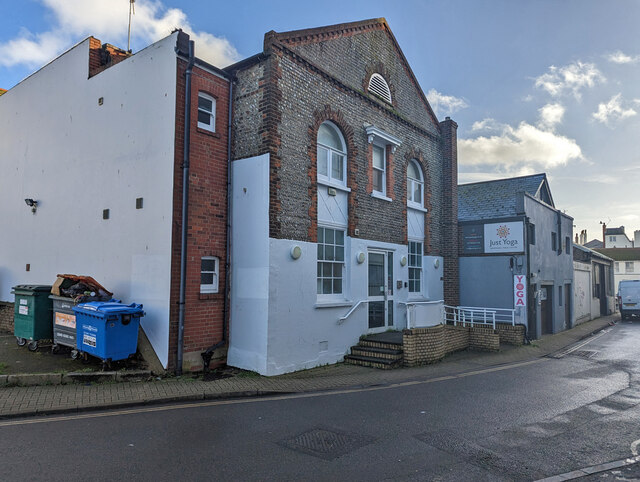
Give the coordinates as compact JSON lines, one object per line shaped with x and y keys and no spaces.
{"x":473,"y":315}
{"x":353,"y":308}
{"x":411,"y":309}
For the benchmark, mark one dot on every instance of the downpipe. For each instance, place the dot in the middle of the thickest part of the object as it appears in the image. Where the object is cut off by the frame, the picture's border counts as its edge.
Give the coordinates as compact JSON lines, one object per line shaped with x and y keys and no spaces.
{"x":185,"y":207}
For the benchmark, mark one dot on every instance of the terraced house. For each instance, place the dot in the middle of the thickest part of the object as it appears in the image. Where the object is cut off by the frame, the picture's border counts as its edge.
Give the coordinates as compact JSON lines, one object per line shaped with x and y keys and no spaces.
{"x":344,"y":198}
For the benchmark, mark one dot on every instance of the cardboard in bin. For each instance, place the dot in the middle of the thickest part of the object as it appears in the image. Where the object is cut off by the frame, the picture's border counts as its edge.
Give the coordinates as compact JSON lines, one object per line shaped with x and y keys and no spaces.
{"x":66,"y":281}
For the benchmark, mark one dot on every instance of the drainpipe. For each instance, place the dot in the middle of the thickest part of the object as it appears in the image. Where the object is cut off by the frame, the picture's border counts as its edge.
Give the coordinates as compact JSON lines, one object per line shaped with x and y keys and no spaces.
{"x":208,"y":353}
{"x":185,"y":206}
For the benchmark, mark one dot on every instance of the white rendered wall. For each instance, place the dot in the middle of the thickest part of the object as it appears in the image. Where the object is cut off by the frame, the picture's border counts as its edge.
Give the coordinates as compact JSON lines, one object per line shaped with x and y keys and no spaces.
{"x":582,"y":301}
{"x":250,"y":292}
{"x":76,"y":158}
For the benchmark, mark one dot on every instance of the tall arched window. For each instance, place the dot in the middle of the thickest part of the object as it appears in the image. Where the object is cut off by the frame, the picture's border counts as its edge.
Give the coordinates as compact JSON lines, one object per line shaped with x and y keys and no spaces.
{"x":332,"y":154}
{"x":415,"y":184}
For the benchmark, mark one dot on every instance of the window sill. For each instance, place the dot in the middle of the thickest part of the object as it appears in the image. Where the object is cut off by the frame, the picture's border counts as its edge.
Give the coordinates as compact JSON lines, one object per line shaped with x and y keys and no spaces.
{"x":333,"y":304}
{"x":417,"y":207}
{"x":335,"y":185}
{"x":208,"y":132}
{"x":378,"y":195}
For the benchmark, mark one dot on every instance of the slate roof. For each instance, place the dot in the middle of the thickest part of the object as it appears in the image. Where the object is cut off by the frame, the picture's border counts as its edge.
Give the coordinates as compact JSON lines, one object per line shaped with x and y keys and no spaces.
{"x":593,"y":244}
{"x":621,"y":254}
{"x":496,"y":199}
{"x":612,"y":231}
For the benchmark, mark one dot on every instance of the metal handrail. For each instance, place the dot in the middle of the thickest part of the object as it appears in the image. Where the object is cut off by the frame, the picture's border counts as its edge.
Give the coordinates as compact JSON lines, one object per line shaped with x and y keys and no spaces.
{"x":479,"y":315}
{"x":410,"y":304}
{"x":353,"y":308}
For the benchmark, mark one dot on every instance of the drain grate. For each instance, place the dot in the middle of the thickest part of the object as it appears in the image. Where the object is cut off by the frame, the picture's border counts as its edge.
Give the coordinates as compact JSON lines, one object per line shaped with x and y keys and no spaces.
{"x":326,"y":444}
{"x":585,"y":353}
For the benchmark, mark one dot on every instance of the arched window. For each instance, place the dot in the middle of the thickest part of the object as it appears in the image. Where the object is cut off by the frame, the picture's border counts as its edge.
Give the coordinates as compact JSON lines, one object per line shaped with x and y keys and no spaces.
{"x":415,"y":184}
{"x":332,"y":154}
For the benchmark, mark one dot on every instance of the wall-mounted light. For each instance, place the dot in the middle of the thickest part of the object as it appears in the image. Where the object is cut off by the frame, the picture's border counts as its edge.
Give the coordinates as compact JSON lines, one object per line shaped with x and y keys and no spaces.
{"x":33,"y":204}
{"x":360,"y":257}
{"x":403,"y":261}
{"x":295,"y":252}
{"x":436,"y":263}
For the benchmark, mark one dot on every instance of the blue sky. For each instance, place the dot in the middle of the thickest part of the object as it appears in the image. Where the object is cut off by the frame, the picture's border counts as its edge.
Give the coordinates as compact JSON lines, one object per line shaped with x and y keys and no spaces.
{"x":535,"y":86}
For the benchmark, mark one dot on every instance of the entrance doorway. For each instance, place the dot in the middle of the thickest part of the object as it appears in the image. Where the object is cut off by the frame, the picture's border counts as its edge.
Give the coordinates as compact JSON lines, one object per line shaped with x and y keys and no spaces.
{"x":546,"y":309}
{"x":380,"y":290}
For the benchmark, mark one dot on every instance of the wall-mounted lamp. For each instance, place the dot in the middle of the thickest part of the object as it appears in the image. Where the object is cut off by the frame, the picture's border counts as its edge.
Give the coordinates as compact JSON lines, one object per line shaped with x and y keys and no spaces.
{"x":32,"y":204}
{"x":436,"y":263}
{"x":360,"y":257}
{"x":295,"y":252}
{"x":403,"y":261}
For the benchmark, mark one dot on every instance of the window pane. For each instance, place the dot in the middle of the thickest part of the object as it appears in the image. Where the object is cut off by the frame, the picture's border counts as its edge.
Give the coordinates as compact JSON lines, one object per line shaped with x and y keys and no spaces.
{"x":320,"y":252}
{"x":378,"y":157}
{"x":329,"y":236}
{"x":204,"y":117}
{"x":339,"y":253}
{"x":337,"y":162}
{"x":208,"y":265}
{"x":340,"y":238}
{"x":329,"y":253}
{"x":390,"y":313}
{"x":321,"y":235}
{"x":377,"y":180}
{"x":327,"y":270}
{"x":337,"y":270}
{"x":326,"y":286}
{"x":205,"y":104}
{"x":206,"y":278}
{"x":417,"y":193}
{"x":322,"y":161}
{"x":337,"y":286}
{"x":328,"y":136}
{"x":412,"y":171}
{"x":319,"y":274}
{"x":319,"y":289}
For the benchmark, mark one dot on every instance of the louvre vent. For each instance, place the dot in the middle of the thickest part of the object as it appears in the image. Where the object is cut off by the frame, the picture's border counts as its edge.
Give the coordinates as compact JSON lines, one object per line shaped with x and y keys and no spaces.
{"x":378,"y":87}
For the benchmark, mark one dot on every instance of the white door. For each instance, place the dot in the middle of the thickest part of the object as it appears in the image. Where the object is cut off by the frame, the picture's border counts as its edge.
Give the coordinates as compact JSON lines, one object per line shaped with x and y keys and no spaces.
{"x":380,"y":290}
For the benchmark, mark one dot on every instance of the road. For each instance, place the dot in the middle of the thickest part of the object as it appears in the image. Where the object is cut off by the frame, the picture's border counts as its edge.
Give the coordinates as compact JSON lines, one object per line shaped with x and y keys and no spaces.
{"x":523,"y":422}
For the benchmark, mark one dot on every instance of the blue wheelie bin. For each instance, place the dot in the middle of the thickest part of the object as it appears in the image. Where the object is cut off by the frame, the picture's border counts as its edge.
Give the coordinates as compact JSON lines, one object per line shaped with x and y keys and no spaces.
{"x":107,"y":330}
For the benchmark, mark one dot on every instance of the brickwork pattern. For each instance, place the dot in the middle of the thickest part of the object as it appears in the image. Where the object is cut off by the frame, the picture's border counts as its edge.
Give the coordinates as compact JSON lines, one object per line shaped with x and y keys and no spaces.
{"x":6,"y":316}
{"x":509,"y":334}
{"x":450,"y":239}
{"x":301,"y":90}
{"x":431,"y":344}
{"x":101,"y":57}
{"x":207,"y":215}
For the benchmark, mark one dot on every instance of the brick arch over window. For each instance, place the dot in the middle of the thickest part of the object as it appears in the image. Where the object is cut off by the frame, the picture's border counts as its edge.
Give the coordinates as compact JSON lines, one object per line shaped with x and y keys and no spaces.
{"x":416,"y":154}
{"x":379,"y":68}
{"x":323,"y":114}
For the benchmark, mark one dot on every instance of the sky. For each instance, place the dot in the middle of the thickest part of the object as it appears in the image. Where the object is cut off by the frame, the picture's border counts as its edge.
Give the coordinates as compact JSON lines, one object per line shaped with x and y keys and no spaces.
{"x":535,"y":85}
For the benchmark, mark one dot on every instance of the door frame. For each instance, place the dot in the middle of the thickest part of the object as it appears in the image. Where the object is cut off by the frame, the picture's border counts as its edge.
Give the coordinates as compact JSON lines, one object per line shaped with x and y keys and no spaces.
{"x":389,"y":294}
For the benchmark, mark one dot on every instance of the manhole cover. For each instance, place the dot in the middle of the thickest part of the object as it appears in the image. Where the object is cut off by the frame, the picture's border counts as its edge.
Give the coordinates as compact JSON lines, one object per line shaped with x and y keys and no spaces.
{"x":325,"y":444}
{"x":585,"y":353}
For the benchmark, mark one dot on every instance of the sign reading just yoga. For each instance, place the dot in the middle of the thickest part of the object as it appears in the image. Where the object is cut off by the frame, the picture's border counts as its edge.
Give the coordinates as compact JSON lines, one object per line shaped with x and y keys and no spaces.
{"x":503,"y":237}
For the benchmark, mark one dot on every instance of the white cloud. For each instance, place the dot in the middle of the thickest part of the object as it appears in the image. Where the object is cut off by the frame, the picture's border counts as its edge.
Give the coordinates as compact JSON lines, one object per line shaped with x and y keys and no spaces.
{"x":550,"y":115}
{"x":521,"y":150}
{"x":613,"y":111}
{"x":570,"y":78}
{"x":109,"y":21}
{"x":621,"y":58}
{"x":445,"y":104}
{"x":487,"y":124}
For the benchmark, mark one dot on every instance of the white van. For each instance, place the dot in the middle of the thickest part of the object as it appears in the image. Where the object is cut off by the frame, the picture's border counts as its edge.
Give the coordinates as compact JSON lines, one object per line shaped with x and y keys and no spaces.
{"x":629,"y":298}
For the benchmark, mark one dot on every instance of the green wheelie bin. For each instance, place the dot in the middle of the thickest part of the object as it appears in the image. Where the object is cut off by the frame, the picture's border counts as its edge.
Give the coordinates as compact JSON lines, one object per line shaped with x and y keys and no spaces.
{"x":32,"y":315}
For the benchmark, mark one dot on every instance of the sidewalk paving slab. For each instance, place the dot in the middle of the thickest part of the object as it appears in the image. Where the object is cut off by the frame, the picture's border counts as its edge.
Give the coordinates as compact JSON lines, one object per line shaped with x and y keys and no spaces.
{"x":23,"y":401}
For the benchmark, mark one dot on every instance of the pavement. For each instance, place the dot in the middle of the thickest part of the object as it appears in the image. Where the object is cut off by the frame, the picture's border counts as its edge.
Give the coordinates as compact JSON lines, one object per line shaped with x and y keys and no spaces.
{"x":58,"y":395}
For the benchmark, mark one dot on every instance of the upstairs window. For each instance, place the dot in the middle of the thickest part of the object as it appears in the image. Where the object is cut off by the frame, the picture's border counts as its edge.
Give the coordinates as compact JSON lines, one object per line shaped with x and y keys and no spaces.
{"x":379,"y":87}
{"x":206,"y":112}
{"x":415,"y":267}
{"x":379,"y":169}
{"x":554,"y":241}
{"x":415,"y":184}
{"x":332,"y":154}
{"x":628,"y":266}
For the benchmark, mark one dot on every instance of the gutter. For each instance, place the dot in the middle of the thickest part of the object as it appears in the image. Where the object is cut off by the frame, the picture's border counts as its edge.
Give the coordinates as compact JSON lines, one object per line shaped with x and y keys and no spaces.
{"x":185,"y":207}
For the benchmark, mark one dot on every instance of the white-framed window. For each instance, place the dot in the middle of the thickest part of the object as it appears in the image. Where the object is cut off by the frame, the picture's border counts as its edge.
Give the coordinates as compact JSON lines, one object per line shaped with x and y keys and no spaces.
{"x":628,"y":266}
{"x":379,"y":169}
{"x":617,"y":266}
{"x":209,"y":272}
{"x":206,"y":112}
{"x":332,"y":154}
{"x":415,"y":184}
{"x":415,"y":267}
{"x":330,"y":261}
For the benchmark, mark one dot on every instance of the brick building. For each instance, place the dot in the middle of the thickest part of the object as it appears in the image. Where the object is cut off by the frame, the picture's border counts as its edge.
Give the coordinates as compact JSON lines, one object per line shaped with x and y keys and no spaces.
{"x":105,"y":159}
{"x":344,"y":198}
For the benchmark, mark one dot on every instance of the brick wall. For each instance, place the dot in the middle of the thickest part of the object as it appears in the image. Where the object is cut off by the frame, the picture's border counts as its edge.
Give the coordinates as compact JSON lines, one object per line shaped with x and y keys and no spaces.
{"x":102,"y":57}
{"x":428,"y":345}
{"x":207,"y":218}
{"x":509,"y":334}
{"x":6,"y":316}
{"x":281,"y":101}
{"x":450,"y":239}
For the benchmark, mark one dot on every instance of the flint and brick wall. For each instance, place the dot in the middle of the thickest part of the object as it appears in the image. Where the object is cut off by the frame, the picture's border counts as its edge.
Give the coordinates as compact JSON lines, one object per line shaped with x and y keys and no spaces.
{"x":207,"y":232}
{"x":6,"y":317}
{"x":428,"y":345}
{"x":279,"y":104}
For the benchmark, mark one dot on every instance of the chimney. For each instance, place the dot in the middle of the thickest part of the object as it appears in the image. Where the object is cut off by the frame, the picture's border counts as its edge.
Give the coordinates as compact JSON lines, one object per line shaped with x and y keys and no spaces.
{"x":577,"y":240}
{"x":604,"y":238}
{"x":636,"y":238}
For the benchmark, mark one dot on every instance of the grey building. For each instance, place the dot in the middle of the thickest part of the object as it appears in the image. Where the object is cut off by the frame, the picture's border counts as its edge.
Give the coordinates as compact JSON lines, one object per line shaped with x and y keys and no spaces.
{"x":516,"y":252}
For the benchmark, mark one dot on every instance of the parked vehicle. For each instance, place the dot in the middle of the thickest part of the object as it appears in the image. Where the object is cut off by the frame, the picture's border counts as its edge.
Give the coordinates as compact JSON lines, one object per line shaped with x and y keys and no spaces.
{"x":629,"y":298}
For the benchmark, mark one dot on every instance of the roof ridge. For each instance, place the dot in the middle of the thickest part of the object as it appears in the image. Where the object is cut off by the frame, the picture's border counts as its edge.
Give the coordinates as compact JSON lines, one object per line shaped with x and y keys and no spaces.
{"x":504,"y":179}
